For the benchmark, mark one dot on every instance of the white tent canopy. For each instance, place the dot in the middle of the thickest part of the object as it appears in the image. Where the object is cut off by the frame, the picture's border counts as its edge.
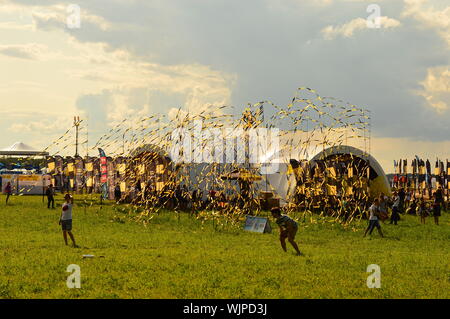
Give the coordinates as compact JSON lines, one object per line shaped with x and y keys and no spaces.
{"x":21,"y":149}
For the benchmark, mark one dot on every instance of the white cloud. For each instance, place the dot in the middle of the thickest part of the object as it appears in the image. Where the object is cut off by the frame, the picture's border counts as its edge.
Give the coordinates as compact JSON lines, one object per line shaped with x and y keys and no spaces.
{"x":348,"y":29}
{"x":330,"y":2}
{"x":436,"y":88}
{"x":429,"y":16}
{"x":29,"y":51}
{"x":10,"y":25}
{"x":55,"y":17}
{"x":42,"y":126}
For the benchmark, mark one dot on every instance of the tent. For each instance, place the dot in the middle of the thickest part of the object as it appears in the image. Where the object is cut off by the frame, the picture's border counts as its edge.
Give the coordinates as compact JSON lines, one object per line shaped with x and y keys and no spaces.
{"x":378,"y":180}
{"x":21,"y":149}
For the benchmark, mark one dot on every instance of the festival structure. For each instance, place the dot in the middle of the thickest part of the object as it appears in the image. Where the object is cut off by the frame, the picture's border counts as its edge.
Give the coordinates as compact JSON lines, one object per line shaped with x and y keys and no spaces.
{"x":318,"y":161}
{"x":21,"y":149}
{"x":321,"y":158}
{"x":25,"y":176}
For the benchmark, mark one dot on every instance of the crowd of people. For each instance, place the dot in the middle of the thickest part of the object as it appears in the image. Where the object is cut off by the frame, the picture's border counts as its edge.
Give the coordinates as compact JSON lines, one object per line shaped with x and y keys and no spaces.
{"x":382,"y":208}
{"x":404,"y":202}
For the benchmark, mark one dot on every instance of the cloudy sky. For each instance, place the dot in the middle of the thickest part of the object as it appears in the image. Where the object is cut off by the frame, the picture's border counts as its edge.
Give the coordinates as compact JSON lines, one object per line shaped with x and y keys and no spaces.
{"x":132,"y":58}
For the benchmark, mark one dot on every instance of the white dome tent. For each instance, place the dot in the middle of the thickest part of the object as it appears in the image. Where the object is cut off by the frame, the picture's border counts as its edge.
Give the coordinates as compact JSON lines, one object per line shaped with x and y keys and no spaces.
{"x":21,"y":149}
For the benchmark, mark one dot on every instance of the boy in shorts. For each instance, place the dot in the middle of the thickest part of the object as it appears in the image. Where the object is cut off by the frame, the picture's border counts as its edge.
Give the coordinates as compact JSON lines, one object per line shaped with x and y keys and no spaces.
{"x":288,"y":229}
{"x":66,"y":219}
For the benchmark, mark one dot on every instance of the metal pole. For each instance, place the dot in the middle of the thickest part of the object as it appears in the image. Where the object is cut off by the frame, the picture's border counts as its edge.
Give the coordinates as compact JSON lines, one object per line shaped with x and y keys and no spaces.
{"x":76,"y":123}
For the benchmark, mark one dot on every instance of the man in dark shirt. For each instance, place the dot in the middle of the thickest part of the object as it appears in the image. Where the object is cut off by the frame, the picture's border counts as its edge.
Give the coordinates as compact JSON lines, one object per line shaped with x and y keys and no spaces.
{"x":50,"y":192}
{"x":402,"y":195}
{"x":440,"y":195}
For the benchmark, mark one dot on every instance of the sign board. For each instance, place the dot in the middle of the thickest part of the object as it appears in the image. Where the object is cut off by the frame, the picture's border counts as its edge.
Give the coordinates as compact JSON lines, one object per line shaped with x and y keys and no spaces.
{"x":27,"y":184}
{"x":257,"y":224}
{"x":33,"y":184}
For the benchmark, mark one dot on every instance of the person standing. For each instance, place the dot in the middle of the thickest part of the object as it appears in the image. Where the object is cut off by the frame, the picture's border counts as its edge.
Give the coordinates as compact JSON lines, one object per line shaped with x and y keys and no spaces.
{"x":117,"y":193}
{"x":8,"y":191}
{"x":383,"y":207}
{"x":66,"y":219}
{"x":401,"y":196}
{"x":440,"y":196}
{"x":407,"y":201}
{"x":373,"y":218}
{"x":395,"y":216}
{"x":436,"y":209}
{"x":422,"y":211}
{"x":50,"y":192}
{"x":412,"y":207}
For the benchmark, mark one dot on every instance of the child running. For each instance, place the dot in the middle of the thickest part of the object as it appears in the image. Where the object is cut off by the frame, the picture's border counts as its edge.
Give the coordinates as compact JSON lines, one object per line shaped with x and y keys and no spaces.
{"x":288,"y":229}
{"x":374,"y":213}
{"x":66,"y":219}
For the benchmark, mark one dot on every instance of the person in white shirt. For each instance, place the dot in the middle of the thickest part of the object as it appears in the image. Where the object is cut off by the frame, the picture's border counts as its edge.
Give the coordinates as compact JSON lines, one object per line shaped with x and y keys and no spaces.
{"x":66,"y":219}
{"x":374,"y":212}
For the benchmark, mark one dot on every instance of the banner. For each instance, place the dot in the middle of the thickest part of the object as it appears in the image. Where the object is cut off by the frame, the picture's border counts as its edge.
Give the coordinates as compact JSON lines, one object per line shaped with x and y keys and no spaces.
{"x":51,"y":167}
{"x":89,"y":167}
{"x":104,"y":173}
{"x":79,"y":177}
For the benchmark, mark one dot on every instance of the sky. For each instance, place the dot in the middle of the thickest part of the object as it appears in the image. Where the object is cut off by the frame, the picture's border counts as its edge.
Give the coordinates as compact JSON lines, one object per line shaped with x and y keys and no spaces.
{"x":131,"y":58}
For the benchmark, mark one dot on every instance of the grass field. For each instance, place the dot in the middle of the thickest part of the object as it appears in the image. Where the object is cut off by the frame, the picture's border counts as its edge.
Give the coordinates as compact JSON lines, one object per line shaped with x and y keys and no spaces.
{"x":175,"y":256}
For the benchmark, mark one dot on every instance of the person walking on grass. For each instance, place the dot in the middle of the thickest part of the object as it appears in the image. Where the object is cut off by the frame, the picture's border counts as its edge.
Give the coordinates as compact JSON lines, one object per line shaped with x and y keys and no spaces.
{"x":422,"y":211}
{"x":117,"y":193}
{"x":50,"y":192}
{"x":395,"y":216}
{"x":374,"y":213}
{"x":66,"y":219}
{"x":383,"y":207}
{"x":436,"y":208}
{"x":8,"y":191}
{"x":288,"y":229}
{"x":440,"y":197}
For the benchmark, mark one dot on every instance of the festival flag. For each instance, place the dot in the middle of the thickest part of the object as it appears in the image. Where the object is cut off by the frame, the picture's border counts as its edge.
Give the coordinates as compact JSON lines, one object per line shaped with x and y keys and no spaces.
{"x":421,"y":167}
{"x":448,"y":168}
{"x":428,"y":172}
{"x":437,"y":168}
{"x":414,"y":167}
{"x":104,"y":173}
{"x":51,"y":167}
{"x":89,"y":167}
{"x":448,"y":174}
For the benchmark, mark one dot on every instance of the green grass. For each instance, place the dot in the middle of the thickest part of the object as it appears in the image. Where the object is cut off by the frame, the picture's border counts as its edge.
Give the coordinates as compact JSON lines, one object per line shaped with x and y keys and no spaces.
{"x":176,"y":256}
